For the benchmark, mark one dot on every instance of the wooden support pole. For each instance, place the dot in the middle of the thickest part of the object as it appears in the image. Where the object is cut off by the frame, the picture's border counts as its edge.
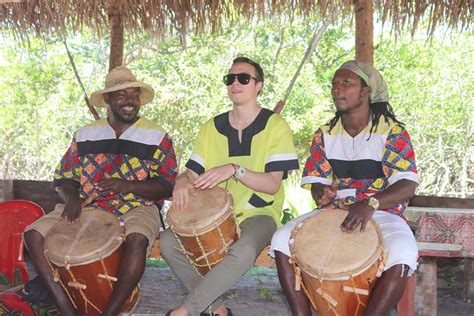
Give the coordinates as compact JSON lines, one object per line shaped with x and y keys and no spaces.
{"x":116,"y":36}
{"x":364,"y":36}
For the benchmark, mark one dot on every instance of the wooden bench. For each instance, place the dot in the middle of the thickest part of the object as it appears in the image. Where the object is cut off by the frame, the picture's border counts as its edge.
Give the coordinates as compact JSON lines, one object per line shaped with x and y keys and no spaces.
{"x":426,"y":301}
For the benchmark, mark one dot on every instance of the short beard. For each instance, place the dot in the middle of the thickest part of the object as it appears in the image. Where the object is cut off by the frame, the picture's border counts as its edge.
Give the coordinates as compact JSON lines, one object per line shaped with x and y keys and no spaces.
{"x":121,"y":119}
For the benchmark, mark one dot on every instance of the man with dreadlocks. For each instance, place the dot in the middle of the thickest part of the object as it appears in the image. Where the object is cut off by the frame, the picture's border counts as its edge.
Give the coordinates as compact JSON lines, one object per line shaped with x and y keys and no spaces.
{"x":361,"y":161}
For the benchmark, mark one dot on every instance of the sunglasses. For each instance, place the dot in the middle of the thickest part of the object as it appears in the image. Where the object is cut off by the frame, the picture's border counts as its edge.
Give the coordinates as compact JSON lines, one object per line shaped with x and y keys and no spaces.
{"x":242,"y":78}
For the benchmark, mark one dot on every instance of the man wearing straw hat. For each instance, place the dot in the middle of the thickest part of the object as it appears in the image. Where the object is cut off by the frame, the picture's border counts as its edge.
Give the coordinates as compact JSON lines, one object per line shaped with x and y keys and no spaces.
{"x":361,"y":161}
{"x":123,"y":164}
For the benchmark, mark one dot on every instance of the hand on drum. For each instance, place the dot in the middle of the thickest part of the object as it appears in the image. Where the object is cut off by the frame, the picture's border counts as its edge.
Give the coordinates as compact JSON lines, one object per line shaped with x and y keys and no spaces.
{"x":214,"y":176}
{"x":72,"y":208}
{"x":359,"y":214}
{"x":323,"y":194}
{"x":182,"y":189}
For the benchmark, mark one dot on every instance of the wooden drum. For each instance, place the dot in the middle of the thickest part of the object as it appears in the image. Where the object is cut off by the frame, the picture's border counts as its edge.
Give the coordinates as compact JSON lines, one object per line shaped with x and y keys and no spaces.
{"x":338,"y":269}
{"x":206,"y":228}
{"x":85,"y":258}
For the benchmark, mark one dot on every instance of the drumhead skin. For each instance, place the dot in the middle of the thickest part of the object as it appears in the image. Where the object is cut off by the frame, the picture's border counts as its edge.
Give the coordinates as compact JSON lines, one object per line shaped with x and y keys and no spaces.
{"x":203,"y":211}
{"x":96,"y":235}
{"x":322,"y":250}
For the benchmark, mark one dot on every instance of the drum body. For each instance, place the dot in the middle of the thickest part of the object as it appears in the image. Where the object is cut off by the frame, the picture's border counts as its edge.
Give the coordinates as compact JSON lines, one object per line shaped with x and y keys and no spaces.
{"x":85,"y":258}
{"x":338,"y":269}
{"x":206,"y":228}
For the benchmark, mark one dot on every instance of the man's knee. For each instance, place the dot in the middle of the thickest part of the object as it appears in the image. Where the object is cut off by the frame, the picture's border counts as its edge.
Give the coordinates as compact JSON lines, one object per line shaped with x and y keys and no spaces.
{"x":136,"y":241}
{"x":280,"y":241}
{"x":32,"y":239}
{"x":167,"y":243}
{"x":244,"y":256}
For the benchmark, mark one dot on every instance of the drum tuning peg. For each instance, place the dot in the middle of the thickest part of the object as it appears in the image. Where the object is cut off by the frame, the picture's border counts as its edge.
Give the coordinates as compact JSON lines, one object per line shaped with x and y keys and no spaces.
{"x":297,"y":279}
{"x":327,"y":297}
{"x":77,"y":285}
{"x":355,"y":290}
{"x":107,"y":277}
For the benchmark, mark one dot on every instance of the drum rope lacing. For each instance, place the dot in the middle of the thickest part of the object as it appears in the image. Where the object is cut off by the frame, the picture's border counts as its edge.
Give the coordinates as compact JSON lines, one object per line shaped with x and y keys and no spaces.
{"x":202,"y":250}
{"x":325,"y":295}
{"x":359,"y":301}
{"x":86,"y":300}
{"x":184,"y":251}
{"x":57,"y":279}
{"x":106,"y":273}
{"x":299,"y":282}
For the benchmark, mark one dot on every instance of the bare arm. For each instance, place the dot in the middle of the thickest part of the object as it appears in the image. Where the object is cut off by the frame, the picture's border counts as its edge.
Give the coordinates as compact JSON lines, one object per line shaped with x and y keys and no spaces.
{"x":360,"y":213}
{"x":395,"y":194}
{"x":151,"y":189}
{"x":266,"y":182}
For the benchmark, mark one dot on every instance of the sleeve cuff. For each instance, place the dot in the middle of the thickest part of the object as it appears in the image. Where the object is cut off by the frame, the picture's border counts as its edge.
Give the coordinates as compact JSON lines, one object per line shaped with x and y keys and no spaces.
{"x":404,"y":176}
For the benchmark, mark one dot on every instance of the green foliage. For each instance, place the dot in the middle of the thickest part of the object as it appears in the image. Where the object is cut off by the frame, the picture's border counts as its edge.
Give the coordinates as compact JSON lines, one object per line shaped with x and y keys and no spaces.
{"x":431,"y":87}
{"x":156,"y":263}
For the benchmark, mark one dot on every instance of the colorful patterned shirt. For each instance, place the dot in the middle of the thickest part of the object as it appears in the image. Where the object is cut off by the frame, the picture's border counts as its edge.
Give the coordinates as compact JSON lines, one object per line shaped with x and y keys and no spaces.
{"x":143,"y":151}
{"x":363,"y":165}
{"x":267,"y":145}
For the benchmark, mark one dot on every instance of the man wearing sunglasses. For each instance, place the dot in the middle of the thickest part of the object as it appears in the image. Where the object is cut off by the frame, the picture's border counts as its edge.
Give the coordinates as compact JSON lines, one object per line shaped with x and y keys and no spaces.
{"x":248,"y":151}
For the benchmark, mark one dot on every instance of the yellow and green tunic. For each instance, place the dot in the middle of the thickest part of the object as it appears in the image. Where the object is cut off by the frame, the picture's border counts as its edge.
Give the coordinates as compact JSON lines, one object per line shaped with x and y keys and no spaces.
{"x":267,"y":145}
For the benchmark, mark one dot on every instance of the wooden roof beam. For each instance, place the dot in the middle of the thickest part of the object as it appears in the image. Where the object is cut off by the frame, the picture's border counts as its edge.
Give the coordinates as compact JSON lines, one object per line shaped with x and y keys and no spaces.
{"x":364,"y":35}
{"x":116,"y":36}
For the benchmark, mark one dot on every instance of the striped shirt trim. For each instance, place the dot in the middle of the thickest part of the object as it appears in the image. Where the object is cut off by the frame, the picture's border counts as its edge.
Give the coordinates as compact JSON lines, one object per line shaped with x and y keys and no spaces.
{"x":142,"y":131}
{"x":194,"y":166}
{"x":357,"y":169}
{"x":281,"y":157}
{"x":341,"y":194}
{"x":257,"y":201}
{"x":339,"y":147}
{"x":118,"y":147}
{"x":404,"y":176}
{"x":311,"y":180}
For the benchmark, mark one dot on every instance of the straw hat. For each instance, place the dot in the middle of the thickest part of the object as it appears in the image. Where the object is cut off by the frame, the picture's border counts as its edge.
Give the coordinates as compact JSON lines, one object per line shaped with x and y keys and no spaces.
{"x":118,"y":79}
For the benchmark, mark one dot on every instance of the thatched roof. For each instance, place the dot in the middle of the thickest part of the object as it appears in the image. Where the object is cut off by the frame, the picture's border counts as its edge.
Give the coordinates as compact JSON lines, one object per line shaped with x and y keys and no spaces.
{"x":166,"y":16}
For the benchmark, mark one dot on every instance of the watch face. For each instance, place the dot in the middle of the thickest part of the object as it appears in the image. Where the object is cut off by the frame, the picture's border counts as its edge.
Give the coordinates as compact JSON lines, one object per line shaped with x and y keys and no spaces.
{"x":240,"y":172}
{"x":374,"y":203}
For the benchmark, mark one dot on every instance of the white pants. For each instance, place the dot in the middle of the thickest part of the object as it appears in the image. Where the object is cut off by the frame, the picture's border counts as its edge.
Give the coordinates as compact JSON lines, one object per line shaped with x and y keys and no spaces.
{"x":398,"y":240}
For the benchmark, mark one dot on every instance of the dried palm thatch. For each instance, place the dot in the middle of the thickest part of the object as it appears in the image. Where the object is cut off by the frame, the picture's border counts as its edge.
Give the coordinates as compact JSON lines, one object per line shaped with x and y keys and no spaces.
{"x":45,"y":17}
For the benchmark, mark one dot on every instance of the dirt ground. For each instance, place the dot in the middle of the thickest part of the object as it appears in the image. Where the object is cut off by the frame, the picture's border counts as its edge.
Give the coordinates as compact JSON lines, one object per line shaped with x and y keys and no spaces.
{"x":259,"y":293}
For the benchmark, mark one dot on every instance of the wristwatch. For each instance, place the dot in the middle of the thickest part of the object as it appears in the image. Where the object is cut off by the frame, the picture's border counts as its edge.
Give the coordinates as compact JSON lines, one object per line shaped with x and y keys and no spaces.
{"x":374,"y":203}
{"x":239,"y":172}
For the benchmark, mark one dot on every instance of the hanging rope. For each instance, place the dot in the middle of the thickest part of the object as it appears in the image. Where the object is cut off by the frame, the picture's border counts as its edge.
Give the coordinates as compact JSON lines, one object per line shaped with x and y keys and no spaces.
{"x":86,"y":98}
{"x":314,"y":41}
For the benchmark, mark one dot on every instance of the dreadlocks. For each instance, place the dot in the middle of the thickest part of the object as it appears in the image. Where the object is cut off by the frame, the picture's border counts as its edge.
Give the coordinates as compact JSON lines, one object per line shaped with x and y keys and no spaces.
{"x":377,"y":109}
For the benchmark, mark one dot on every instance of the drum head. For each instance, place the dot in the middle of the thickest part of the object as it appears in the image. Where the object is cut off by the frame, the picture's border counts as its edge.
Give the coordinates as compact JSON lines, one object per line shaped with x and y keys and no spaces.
{"x":205,"y":209}
{"x":322,"y":250}
{"x":96,"y":235}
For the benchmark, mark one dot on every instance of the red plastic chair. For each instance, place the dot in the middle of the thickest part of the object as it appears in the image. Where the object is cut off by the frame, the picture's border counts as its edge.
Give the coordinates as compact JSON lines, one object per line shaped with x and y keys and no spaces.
{"x":14,"y":217}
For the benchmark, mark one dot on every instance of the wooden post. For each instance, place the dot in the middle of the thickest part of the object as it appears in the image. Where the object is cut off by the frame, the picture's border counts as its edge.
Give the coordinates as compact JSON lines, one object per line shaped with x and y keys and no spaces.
{"x":116,"y":36}
{"x":364,"y":36}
